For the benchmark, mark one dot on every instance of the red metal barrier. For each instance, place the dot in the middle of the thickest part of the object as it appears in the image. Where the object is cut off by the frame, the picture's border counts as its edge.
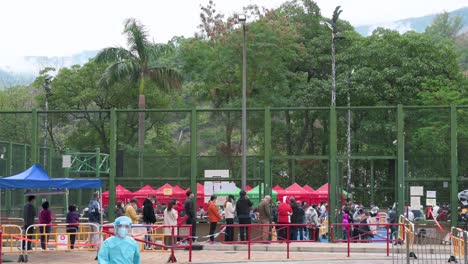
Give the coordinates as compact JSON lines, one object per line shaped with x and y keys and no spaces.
{"x":361,"y":232}
{"x":283,"y":234}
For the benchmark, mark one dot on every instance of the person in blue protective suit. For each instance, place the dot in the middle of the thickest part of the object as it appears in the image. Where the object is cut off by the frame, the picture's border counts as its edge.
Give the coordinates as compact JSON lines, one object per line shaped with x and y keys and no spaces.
{"x":120,"y":249}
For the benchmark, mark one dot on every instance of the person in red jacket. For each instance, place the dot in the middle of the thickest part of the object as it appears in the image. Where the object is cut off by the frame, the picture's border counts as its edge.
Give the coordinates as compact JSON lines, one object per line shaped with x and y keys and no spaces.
{"x":213,"y":216}
{"x":284,"y":212}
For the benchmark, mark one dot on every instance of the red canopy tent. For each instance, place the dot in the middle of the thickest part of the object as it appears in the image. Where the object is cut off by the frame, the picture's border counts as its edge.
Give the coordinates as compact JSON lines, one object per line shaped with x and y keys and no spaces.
{"x":278,"y":188}
{"x":164,"y":194}
{"x":143,"y":193}
{"x":179,"y":193}
{"x":321,"y":194}
{"x":308,"y":188}
{"x":296,"y":191}
{"x":121,"y":194}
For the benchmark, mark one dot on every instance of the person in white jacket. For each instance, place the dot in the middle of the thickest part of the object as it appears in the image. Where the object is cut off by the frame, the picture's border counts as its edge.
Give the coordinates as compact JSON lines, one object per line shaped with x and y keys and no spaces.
{"x":170,"y":220}
{"x":229,"y":210}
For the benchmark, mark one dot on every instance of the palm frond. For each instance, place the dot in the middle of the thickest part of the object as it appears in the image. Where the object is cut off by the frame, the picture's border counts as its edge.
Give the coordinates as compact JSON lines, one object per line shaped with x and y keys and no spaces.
{"x":118,"y":71}
{"x":114,"y":54}
{"x":137,"y":38}
{"x":165,"y":78}
{"x":156,"y":51}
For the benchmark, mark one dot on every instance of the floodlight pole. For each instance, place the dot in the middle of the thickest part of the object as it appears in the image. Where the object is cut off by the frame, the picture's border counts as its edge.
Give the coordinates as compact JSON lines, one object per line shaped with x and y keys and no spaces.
{"x":348,"y":135}
{"x":47,"y":88}
{"x":242,"y":19}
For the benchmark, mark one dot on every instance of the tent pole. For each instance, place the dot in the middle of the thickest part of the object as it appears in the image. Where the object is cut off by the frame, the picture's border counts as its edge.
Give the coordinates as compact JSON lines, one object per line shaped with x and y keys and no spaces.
{"x":66,"y":201}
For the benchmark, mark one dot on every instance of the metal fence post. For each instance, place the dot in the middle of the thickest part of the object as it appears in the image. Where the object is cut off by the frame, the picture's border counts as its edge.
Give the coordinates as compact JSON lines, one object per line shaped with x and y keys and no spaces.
{"x":34,"y":151}
{"x":332,"y":198}
{"x":267,"y":153}
{"x":401,"y":158}
{"x":113,"y":167}
{"x":193,"y":155}
{"x":453,"y":164}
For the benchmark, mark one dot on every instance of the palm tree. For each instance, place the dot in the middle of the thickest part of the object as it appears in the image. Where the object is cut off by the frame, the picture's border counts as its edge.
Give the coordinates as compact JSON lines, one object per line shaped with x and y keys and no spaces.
{"x":138,"y":64}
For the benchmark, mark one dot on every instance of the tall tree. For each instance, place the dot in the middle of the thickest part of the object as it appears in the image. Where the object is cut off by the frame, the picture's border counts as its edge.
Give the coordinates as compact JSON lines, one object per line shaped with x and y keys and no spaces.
{"x":445,"y":26}
{"x":139,"y":63}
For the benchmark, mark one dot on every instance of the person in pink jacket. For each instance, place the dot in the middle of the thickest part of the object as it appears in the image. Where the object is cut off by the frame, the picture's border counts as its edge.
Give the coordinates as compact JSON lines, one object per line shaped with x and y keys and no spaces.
{"x":345,"y":222}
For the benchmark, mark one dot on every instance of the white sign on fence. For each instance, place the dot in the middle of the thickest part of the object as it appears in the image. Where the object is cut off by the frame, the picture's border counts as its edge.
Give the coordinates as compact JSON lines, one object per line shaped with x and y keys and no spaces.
{"x":415,"y":202}
{"x":416,"y":190}
{"x":66,"y":161}
{"x":431,"y":194}
{"x":216,"y":173}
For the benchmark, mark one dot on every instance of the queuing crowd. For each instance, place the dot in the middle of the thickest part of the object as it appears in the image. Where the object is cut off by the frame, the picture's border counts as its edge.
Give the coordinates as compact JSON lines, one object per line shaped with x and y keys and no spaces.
{"x":236,"y":214}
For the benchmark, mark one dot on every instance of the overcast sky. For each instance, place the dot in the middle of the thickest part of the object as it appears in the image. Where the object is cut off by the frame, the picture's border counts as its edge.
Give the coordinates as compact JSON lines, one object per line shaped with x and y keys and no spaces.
{"x":65,"y":27}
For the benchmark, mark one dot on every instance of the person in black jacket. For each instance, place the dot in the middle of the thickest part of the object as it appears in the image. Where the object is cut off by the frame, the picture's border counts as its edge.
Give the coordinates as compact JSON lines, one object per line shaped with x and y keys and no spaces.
{"x":29,"y":214}
{"x":149,"y":217}
{"x":189,"y":211}
{"x":296,"y":218}
{"x":243,"y":207}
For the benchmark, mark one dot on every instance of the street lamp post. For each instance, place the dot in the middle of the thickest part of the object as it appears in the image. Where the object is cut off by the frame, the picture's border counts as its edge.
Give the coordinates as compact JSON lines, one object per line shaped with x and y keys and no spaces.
{"x":333,"y":30}
{"x":348,"y":133}
{"x":48,"y":93}
{"x":242,"y":18}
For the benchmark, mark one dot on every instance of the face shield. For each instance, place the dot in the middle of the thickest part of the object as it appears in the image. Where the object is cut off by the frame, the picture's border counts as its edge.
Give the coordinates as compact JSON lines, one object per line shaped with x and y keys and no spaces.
{"x":123,"y":230}
{"x":122,"y":226}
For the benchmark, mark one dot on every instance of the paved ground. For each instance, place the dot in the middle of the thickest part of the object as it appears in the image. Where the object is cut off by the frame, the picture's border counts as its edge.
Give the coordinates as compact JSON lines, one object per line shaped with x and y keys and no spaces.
{"x":209,"y":256}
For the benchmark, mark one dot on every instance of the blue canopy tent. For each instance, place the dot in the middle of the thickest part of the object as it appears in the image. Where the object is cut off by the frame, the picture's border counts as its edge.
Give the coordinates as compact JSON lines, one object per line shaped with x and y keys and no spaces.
{"x":37,"y":178}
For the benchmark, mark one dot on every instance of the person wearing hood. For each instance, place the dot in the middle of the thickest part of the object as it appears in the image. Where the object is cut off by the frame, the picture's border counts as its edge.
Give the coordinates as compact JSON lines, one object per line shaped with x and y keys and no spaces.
{"x":311,"y":217}
{"x":149,"y":218}
{"x":120,"y":248}
{"x":373,"y":221}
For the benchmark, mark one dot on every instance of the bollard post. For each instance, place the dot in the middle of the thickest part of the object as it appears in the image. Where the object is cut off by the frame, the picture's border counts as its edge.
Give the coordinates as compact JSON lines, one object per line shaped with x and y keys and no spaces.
{"x":388,"y":243}
{"x":288,"y":234}
{"x":190,"y":244}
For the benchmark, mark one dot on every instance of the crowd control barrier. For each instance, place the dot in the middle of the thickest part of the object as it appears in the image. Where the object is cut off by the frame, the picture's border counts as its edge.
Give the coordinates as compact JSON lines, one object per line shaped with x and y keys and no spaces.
{"x":458,"y":241}
{"x":11,"y":240}
{"x":263,"y":234}
{"x":59,"y":238}
{"x":428,"y":244}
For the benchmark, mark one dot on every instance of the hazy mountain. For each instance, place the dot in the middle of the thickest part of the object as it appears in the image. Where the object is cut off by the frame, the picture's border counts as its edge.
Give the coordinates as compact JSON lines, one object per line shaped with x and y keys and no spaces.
{"x":417,"y":24}
{"x":23,"y":70}
{"x":8,"y":79}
